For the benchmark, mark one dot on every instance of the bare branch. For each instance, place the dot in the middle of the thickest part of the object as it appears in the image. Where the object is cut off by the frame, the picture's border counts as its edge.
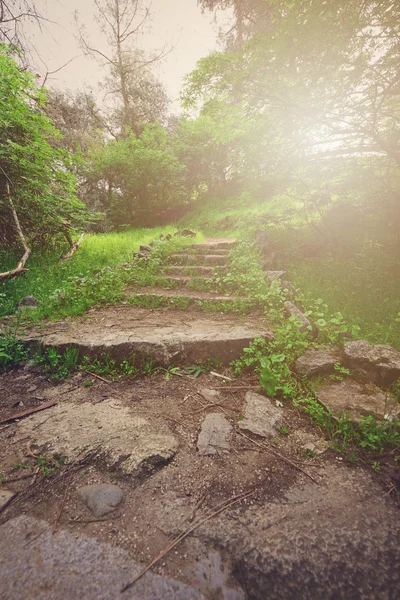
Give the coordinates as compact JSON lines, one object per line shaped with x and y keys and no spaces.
{"x":20,"y":267}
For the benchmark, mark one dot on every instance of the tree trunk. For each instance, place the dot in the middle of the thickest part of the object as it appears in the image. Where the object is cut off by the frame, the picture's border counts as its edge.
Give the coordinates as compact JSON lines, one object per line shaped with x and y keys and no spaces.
{"x":239,"y":21}
{"x":20,"y":267}
{"x":73,"y":246}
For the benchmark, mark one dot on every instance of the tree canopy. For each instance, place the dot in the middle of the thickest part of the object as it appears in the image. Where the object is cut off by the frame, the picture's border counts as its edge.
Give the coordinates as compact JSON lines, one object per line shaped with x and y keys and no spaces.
{"x":37,"y":173}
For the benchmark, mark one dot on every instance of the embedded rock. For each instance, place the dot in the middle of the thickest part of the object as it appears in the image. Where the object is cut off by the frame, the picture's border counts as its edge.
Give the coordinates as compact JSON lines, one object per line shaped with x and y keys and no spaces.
{"x":185,"y":233}
{"x":379,"y":363}
{"x":317,"y":361}
{"x":29,"y":302}
{"x":336,"y":540}
{"x":357,"y":400}
{"x":261,"y":416}
{"x":293,"y":311}
{"x":101,"y":499}
{"x":214,"y":435}
{"x":126,"y":442}
{"x":38,"y":565}
{"x":145,"y":248}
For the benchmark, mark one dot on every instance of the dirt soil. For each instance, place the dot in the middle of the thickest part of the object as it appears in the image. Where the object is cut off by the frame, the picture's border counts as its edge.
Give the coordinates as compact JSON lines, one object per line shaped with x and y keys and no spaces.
{"x":164,"y":500}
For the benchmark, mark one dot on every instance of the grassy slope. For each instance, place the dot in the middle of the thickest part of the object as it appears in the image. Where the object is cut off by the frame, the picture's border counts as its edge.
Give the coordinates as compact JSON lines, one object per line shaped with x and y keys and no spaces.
{"x":360,"y":278}
{"x":47,"y":275}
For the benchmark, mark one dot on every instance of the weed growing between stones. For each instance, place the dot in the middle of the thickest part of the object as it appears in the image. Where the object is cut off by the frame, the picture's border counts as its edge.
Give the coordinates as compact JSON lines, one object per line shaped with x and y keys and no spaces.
{"x":274,"y":360}
{"x":12,"y":351}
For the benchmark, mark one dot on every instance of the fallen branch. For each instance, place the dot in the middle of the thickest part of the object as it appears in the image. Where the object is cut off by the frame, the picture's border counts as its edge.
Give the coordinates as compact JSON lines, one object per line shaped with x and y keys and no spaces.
{"x":64,"y":498}
{"x":278,"y":455}
{"x":221,"y":376}
{"x":98,"y":377}
{"x":29,"y":411}
{"x":209,"y":515}
{"x":73,"y":246}
{"x":20,"y":267}
{"x":236,"y":387}
{"x":224,"y":408}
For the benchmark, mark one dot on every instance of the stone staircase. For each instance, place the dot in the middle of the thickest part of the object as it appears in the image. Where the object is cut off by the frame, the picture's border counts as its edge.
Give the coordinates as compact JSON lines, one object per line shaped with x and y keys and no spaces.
{"x":145,"y":326}
{"x":189,"y":273}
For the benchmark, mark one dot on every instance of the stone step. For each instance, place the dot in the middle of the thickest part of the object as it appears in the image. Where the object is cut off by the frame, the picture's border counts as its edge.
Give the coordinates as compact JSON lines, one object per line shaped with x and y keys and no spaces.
{"x":217,"y":245}
{"x":211,"y":250}
{"x":194,"y":270}
{"x":183,"y":280}
{"x":197,"y":259}
{"x":191,"y":295}
{"x":166,"y":336}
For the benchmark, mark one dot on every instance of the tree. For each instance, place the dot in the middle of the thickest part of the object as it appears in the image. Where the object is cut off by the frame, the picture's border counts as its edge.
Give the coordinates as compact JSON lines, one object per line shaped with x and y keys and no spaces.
{"x":328,"y":72}
{"x":37,"y":188}
{"x":13,"y":15}
{"x":130,"y":79}
{"x":249,"y":17}
{"x":137,"y":176}
{"x":77,"y":118}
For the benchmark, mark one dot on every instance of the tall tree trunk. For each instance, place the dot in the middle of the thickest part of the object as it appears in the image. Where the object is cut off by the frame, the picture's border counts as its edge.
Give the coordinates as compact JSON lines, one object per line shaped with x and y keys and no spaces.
{"x":239,"y":21}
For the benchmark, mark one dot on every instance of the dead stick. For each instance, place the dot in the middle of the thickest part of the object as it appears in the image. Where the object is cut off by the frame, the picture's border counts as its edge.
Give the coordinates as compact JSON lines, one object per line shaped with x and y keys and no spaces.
{"x":236,"y":387}
{"x":55,"y":526}
{"x":213,"y":513}
{"x":224,"y":408}
{"x":98,"y":377}
{"x":278,"y":455}
{"x":29,"y":411}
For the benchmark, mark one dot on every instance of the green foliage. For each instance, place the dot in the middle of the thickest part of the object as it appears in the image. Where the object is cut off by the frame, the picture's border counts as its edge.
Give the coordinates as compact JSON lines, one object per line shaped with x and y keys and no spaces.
{"x":40,"y":178}
{"x":89,"y":278}
{"x":47,"y":465}
{"x":141,"y":175}
{"x":12,"y":351}
{"x":59,"y":364}
{"x":108,"y":367}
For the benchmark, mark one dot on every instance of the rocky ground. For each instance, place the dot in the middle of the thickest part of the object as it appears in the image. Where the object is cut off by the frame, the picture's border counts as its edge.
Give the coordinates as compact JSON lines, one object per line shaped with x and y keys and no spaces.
{"x":225,"y":493}
{"x":175,"y":450}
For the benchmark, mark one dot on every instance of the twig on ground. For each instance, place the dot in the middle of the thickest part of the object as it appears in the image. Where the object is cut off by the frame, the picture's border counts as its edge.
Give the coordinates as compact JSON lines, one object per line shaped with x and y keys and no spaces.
{"x":171,"y":419}
{"x":209,"y":515}
{"x":29,"y":411}
{"x":87,"y":521}
{"x":195,"y":412}
{"x":64,"y":498}
{"x":42,"y":423}
{"x":221,"y":376}
{"x":278,"y":455}
{"x":236,"y":387}
{"x":99,"y":377}
{"x":27,"y":476}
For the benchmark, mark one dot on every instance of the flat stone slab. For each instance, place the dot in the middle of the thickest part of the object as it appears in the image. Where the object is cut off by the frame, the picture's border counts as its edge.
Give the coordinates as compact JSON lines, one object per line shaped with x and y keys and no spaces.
{"x":338,"y":539}
{"x":64,"y":567}
{"x":214,"y":435}
{"x":318,"y":361}
{"x":101,"y":499}
{"x":357,"y":400}
{"x":261,"y":416}
{"x":166,"y":336}
{"x":125,"y":441}
{"x":379,"y":363}
{"x":5,"y":497}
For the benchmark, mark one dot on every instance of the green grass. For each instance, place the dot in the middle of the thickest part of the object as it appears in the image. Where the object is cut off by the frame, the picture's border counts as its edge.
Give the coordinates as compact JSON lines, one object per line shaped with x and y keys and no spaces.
{"x":351,"y":262}
{"x":75,"y":283}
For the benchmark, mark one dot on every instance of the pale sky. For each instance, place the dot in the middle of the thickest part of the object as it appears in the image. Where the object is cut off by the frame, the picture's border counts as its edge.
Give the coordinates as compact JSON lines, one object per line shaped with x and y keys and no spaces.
{"x":178,"y":23}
